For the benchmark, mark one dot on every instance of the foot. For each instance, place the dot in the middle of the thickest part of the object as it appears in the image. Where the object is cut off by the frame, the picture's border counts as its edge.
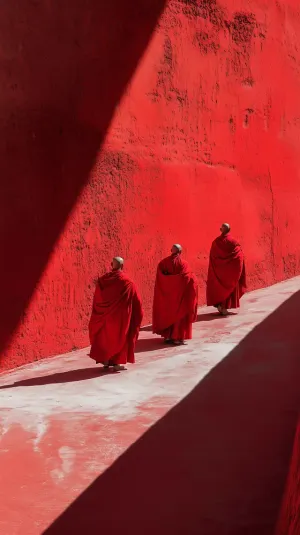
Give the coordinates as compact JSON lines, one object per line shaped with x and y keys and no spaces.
{"x":105,"y":365}
{"x":179,"y":342}
{"x":168,"y":341}
{"x":224,"y":312}
{"x":219,"y":309}
{"x":119,"y":368}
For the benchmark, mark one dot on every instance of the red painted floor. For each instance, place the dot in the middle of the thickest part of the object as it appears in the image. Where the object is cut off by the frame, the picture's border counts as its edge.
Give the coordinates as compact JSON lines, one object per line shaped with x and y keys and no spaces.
{"x":193,"y":440}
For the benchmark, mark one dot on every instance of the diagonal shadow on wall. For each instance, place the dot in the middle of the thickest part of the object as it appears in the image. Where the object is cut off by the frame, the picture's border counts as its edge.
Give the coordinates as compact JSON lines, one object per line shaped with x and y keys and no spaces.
{"x":64,"y":70}
{"x":217,"y":463}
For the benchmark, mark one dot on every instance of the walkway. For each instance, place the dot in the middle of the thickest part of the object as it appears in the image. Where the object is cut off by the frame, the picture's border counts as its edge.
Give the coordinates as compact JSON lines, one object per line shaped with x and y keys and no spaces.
{"x":191,"y":440}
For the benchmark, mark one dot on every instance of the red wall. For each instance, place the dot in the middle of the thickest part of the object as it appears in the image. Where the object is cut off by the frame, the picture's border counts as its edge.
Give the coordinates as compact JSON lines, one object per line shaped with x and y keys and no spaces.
{"x":127,"y":126}
{"x":289,"y":518}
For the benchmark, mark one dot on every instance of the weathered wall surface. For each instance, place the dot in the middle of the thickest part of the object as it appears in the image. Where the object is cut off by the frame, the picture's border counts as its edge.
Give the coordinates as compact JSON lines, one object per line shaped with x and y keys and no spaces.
{"x":125,"y":130}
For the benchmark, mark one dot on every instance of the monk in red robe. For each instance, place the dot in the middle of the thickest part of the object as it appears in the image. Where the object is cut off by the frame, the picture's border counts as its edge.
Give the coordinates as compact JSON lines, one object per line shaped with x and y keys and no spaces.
{"x":116,"y":318}
{"x":175,"y":299}
{"x":226,"y":282}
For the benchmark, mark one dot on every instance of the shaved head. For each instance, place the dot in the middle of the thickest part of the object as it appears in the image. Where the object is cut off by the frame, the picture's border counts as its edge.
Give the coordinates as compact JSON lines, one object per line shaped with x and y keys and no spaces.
{"x":176,"y":248}
{"x":117,"y":262}
{"x":225,"y":228}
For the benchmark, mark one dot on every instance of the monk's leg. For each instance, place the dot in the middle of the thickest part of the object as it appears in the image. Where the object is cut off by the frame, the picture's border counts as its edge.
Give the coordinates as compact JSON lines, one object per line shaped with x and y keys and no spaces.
{"x":115,"y":362}
{"x":233,"y":301}
{"x":119,"y":368}
{"x":126,"y":354}
{"x":218,"y":306}
{"x":178,"y":332}
{"x":167,"y":335}
{"x":94,"y":354}
{"x":182,"y":330}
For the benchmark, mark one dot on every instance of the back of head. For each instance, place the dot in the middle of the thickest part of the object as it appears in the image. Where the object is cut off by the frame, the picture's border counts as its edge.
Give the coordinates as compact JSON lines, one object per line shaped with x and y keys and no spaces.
{"x":176,"y":249}
{"x":225,"y":228}
{"x":117,"y":263}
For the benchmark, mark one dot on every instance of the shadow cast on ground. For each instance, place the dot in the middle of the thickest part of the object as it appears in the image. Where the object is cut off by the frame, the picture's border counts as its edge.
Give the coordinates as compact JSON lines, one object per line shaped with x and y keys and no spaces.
{"x":70,"y":376}
{"x":217,"y":463}
{"x":149,"y":344}
{"x":84,"y":374}
{"x":210,"y":316}
{"x":213,"y":316}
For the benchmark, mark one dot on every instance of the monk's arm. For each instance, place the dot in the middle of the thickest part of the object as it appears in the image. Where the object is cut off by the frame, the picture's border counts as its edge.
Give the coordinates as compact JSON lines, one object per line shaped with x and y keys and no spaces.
{"x":162,"y":268}
{"x":137,"y":309}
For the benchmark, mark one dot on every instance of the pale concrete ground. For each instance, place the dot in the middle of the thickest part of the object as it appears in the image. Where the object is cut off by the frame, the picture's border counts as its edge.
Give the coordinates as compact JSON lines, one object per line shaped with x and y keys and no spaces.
{"x":63,"y":422}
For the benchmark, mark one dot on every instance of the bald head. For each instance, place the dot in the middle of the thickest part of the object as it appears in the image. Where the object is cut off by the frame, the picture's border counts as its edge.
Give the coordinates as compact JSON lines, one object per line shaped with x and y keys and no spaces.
{"x":176,"y":248}
{"x":225,"y":228}
{"x":117,"y":263}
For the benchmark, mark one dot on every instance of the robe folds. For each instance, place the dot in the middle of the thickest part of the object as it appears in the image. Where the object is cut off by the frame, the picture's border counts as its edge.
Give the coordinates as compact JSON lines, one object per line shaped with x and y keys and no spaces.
{"x":226,"y":281}
{"x":116,"y":319}
{"x":175,"y":299}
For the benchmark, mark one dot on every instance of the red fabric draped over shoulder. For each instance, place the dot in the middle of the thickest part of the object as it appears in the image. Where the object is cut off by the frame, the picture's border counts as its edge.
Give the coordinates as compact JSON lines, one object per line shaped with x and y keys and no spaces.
{"x":175,"y":294}
{"x":226,"y":270}
{"x":116,"y":318}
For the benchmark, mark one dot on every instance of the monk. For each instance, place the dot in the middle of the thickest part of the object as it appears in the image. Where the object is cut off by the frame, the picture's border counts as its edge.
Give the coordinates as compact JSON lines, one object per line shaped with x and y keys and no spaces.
{"x":116,"y":318}
{"x":226,"y":282}
{"x":175,"y":299}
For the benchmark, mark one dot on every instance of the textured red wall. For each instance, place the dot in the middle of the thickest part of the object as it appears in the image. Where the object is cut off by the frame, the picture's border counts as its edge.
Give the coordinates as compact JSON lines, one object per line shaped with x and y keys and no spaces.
{"x":127,"y":126}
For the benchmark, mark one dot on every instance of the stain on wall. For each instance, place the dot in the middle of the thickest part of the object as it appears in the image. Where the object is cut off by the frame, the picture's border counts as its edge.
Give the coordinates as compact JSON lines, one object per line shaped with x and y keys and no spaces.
{"x":197,"y":122}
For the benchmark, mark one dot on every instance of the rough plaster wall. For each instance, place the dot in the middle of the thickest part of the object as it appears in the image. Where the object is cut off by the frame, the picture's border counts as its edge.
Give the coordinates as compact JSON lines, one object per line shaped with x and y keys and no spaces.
{"x":207,"y":130}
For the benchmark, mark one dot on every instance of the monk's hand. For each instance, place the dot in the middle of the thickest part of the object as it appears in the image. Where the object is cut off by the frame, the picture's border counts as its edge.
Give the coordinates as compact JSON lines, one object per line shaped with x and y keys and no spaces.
{"x":95,"y":281}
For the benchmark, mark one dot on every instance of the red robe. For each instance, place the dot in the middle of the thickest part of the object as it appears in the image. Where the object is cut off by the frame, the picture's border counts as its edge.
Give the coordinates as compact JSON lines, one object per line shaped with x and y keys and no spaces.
{"x":226,"y":281}
{"x":175,"y":299}
{"x":116,"y":319}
